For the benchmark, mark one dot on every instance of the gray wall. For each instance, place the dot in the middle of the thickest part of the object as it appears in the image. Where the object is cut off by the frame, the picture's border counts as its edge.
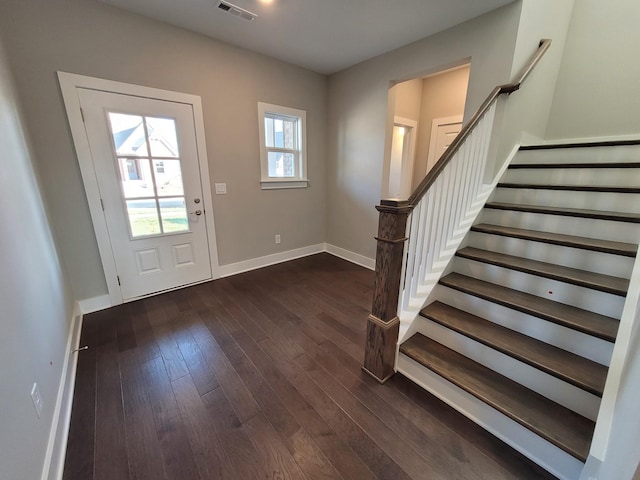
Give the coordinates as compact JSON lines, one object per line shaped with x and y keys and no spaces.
{"x":90,"y":38}
{"x":443,"y":95}
{"x":527,"y":111}
{"x":597,"y":91}
{"x":408,"y":97}
{"x":358,"y":114}
{"x":35,"y":301}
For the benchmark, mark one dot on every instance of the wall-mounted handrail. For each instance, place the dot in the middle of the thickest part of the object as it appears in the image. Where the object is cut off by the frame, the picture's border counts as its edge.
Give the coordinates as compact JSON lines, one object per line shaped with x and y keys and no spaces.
{"x":455,"y":186}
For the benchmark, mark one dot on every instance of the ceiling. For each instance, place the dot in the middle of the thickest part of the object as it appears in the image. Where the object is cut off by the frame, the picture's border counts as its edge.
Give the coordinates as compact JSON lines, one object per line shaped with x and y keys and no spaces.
{"x":322,"y":35}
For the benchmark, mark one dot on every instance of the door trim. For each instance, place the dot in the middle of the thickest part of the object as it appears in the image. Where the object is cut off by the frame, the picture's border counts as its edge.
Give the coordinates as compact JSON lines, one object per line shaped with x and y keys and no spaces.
{"x":69,"y":83}
{"x":408,"y":157}
{"x":435,"y":124}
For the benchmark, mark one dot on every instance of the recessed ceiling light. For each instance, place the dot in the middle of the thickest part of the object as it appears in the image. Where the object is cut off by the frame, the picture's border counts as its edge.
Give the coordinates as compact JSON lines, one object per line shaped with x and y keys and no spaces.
{"x":266,"y":2}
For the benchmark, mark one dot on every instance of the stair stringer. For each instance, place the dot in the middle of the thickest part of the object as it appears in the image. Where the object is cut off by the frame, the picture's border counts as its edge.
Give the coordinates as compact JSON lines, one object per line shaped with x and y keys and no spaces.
{"x":548,"y":456}
{"x":410,"y":311}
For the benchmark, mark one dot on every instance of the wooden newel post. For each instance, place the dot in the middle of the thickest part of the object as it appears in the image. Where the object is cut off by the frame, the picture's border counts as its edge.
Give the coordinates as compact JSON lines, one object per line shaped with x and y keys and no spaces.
{"x":383,"y":324}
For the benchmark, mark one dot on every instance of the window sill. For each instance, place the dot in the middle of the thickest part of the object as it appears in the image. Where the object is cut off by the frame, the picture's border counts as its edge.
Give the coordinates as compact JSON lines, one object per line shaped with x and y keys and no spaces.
{"x":278,"y":184}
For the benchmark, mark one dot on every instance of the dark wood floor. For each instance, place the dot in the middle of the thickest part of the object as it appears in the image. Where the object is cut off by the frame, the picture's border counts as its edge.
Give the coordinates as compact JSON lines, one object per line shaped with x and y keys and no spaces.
{"x":258,"y":376}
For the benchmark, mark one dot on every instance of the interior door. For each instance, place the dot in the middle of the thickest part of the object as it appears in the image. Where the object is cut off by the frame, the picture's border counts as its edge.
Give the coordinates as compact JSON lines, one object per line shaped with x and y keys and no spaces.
{"x":443,"y":132}
{"x":146,"y":162}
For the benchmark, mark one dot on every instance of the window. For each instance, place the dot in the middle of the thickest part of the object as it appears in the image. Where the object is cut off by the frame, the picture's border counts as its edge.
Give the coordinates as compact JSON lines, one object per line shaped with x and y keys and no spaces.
{"x":283,"y":162}
{"x":150,"y":174}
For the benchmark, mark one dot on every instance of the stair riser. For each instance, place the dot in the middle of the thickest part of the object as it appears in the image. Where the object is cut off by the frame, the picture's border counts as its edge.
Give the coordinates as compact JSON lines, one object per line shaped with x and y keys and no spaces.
{"x":560,"y":391}
{"x":619,"y":177}
{"x":603,"y":201}
{"x":604,"y":263}
{"x":580,"y":297}
{"x":568,"y":339}
{"x":585,"y":227}
{"x":620,"y":153}
{"x":550,"y":457}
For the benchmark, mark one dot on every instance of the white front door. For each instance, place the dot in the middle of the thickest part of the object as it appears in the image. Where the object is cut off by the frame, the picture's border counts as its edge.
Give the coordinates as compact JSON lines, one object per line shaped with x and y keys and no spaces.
{"x":145,"y":157}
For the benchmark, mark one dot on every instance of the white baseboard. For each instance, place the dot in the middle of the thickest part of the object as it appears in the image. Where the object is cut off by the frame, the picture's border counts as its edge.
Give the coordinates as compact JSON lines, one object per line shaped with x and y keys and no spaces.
{"x":57,"y":447}
{"x":350,"y":256}
{"x":100,"y":302}
{"x":260,"y":262}
{"x":93,"y":304}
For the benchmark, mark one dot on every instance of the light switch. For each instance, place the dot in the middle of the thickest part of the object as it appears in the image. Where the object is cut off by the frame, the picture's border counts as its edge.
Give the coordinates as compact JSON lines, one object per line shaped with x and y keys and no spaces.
{"x":221,"y":188}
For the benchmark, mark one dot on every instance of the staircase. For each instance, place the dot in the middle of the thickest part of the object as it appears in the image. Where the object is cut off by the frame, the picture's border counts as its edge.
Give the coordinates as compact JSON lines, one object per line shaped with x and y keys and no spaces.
{"x":519,"y":331}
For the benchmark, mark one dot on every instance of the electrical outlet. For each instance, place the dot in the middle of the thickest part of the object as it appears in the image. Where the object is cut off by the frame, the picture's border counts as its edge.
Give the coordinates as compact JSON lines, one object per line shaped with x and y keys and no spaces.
{"x":37,"y":399}
{"x":277,"y":238}
{"x":221,"y":188}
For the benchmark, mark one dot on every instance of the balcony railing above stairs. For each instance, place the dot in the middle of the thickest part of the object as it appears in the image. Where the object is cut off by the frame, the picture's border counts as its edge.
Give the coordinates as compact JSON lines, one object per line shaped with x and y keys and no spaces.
{"x":417,"y":236}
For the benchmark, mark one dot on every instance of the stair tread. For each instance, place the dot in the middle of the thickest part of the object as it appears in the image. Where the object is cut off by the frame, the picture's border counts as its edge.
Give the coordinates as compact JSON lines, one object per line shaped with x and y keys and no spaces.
{"x":515,"y":166}
{"x":579,"y":371}
{"x":596,"y":281}
{"x":573,"y":212}
{"x":606,"y":246}
{"x":575,"y":318}
{"x":555,"y":423}
{"x":570,"y":145}
{"x":576,"y":188}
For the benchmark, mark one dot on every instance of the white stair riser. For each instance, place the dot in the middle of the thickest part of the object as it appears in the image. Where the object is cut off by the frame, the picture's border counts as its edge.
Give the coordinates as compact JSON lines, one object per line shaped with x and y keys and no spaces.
{"x":604,"y":263}
{"x":560,"y":391}
{"x":586,"y":346}
{"x":581,"y":227}
{"x":620,"y":177}
{"x":550,"y":457}
{"x":577,"y":296}
{"x":601,"y":201}
{"x":620,"y":153}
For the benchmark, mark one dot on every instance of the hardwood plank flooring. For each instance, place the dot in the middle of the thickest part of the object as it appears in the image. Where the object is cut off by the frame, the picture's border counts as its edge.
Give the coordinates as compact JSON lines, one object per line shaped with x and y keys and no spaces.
{"x":258,"y":376}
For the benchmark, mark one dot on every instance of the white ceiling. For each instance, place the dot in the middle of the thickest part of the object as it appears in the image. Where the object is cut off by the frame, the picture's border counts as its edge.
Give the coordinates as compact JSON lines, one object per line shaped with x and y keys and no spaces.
{"x":322,"y":35}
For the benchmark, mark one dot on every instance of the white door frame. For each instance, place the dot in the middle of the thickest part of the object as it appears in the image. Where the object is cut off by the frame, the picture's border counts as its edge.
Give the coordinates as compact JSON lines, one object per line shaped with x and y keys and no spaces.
{"x":69,"y":83}
{"x":435,"y":124}
{"x":408,"y":157}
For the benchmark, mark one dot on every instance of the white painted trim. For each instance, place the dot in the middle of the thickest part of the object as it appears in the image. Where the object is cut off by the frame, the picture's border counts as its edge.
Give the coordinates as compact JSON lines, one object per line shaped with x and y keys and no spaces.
{"x":280,"y":184}
{"x":300,"y":180}
{"x":350,"y":256}
{"x":59,"y":433}
{"x":408,"y":157}
{"x":100,"y":302}
{"x":611,"y":138}
{"x":622,"y":355}
{"x":435,"y":124}
{"x":260,"y":262}
{"x":69,"y":84}
{"x":93,"y":304}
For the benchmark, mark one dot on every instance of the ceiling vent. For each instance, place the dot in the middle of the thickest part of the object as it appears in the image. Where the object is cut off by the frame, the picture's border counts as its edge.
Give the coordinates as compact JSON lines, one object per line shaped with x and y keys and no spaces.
{"x":237,"y":11}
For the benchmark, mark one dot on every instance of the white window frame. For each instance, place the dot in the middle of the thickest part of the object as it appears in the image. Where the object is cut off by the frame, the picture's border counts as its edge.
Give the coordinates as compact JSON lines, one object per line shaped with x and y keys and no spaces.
{"x":300,"y":180}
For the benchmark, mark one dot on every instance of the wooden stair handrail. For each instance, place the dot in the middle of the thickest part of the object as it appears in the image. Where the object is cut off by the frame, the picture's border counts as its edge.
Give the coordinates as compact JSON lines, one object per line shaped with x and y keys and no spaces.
{"x":383,"y":323}
{"x":446,"y":157}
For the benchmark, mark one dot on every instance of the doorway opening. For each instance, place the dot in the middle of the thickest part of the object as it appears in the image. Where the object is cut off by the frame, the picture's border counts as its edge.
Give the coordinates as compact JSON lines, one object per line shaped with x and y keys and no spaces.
{"x":425,"y":115}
